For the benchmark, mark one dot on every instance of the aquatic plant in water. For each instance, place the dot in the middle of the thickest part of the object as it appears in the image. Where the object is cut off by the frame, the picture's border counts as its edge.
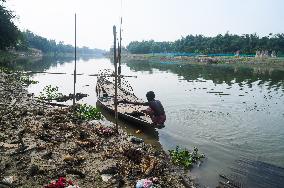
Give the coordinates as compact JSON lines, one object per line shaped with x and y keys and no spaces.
{"x":88,"y":112}
{"x":26,"y":80}
{"x":49,"y":93}
{"x":184,"y":157}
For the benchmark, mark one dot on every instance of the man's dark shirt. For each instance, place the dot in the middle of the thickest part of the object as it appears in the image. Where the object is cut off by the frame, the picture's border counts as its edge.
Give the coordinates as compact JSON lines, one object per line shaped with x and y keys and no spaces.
{"x":157,"y":107}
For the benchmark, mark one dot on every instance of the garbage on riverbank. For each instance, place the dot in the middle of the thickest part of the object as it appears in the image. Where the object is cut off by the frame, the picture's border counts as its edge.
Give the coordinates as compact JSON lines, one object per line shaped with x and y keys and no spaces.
{"x":41,"y":144}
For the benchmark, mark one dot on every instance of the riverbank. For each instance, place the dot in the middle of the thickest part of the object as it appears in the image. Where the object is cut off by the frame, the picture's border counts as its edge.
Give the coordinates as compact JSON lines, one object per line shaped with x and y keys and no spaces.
{"x":250,"y":61}
{"x":40,"y":143}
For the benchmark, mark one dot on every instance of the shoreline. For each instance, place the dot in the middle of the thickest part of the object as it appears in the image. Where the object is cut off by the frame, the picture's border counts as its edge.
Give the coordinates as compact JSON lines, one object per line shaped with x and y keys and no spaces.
{"x":40,"y":143}
{"x":207,"y":60}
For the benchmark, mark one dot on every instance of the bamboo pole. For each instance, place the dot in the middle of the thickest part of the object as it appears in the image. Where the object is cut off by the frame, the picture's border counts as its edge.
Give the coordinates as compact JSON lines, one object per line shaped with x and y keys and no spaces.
{"x":115,"y":77}
{"x":119,"y":54}
{"x":119,"y":51}
{"x":74,"y":94}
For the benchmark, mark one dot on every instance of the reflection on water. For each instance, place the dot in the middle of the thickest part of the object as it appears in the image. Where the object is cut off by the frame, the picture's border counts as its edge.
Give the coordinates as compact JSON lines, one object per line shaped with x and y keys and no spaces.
{"x":253,"y":173}
{"x":38,"y":63}
{"x":228,"y":112}
{"x":218,"y":74}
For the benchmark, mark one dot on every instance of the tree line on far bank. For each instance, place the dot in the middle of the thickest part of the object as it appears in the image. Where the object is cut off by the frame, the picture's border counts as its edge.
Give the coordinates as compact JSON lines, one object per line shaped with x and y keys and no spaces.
{"x":32,"y":40}
{"x":228,"y":43}
{"x":11,"y":38}
{"x":9,"y":33}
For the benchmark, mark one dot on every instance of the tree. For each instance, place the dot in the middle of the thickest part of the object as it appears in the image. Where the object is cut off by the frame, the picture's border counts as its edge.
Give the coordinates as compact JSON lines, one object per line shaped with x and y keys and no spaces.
{"x":9,"y":33}
{"x":228,"y":43}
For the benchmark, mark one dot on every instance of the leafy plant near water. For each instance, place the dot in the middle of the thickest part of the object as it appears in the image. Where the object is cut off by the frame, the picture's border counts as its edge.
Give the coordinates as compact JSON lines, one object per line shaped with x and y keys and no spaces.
{"x":4,"y":69}
{"x":88,"y":112}
{"x":27,"y":80}
{"x":184,"y":157}
{"x":49,"y":92}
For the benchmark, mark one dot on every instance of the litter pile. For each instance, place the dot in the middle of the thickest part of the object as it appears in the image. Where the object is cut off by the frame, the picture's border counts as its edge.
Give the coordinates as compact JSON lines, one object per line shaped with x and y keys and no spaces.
{"x":47,"y":146}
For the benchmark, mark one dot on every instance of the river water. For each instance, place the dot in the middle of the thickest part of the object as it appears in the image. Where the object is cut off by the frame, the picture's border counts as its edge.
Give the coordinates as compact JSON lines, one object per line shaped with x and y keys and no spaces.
{"x":233,"y":114}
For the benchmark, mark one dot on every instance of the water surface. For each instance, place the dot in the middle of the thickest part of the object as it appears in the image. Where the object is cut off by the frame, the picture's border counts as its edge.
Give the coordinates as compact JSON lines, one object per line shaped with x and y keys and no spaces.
{"x":230,"y":113}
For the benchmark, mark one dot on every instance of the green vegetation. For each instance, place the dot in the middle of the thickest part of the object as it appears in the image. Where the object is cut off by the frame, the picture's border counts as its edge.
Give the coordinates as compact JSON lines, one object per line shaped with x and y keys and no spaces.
{"x":184,"y":157}
{"x":49,"y":93}
{"x":228,"y":43}
{"x":6,"y":69}
{"x":6,"y":57}
{"x":26,"y":80}
{"x":9,"y":33}
{"x":51,"y":47}
{"x":88,"y":112}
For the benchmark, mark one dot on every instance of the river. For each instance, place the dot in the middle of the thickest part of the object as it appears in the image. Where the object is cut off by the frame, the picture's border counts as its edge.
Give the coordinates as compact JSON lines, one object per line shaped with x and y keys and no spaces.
{"x":233,"y":114}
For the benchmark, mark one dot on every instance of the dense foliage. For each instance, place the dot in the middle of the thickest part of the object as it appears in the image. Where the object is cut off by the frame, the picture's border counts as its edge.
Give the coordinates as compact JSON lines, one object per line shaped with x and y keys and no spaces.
{"x":34,"y":41}
{"x":9,"y":33}
{"x":228,"y":43}
{"x":51,"y":46}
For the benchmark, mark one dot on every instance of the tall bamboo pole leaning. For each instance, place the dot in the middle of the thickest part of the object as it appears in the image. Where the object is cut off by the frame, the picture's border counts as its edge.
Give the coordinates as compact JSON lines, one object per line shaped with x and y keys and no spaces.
{"x":115,"y":77}
{"x":119,"y":49}
{"x":74,"y":93}
{"x":119,"y":54}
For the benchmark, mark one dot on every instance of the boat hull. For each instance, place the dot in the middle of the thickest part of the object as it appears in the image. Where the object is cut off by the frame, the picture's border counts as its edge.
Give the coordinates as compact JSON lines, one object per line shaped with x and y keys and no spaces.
{"x":127,"y":112}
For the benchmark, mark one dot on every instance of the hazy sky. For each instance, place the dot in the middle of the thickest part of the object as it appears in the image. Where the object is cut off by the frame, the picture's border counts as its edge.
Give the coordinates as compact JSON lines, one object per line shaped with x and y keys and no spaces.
{"x":146,"y":19}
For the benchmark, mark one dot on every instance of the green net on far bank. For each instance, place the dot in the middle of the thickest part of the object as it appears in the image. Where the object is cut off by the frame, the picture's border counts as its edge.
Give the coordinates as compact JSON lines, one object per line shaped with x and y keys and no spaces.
{"x":88,"y":112}
{"x":184,"y":157}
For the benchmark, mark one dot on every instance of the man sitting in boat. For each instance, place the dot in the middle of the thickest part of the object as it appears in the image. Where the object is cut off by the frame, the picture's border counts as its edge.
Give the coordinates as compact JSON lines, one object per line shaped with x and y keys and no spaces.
{"x":155,"y":111}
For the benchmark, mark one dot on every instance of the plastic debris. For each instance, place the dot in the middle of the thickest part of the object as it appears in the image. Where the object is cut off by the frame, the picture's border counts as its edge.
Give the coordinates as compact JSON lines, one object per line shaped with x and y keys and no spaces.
{"x":106,"y":177}
{"x":134,"y":139}
{"x":140,"y":183}
{"x":104,"y":131}
{"x":8,"y":179}
{"x":61,"y":183}
{"x":147,"y":183}
{"x":144,"y":183}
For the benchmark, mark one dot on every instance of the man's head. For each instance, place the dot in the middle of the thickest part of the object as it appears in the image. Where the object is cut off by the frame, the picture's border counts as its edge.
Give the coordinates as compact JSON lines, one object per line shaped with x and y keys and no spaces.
{"x":150,"y":95}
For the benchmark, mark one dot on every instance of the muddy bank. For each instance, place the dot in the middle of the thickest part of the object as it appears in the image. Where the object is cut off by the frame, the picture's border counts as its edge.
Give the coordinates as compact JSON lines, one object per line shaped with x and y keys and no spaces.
{"x":252,"y":61}
{"x":40,"y":143}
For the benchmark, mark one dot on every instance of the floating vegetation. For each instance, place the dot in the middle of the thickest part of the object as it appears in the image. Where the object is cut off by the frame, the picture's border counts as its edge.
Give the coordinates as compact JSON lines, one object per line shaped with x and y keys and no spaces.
{"x":49,"y":93}
{"x":88,"y":112}
{"x":184,"y":157}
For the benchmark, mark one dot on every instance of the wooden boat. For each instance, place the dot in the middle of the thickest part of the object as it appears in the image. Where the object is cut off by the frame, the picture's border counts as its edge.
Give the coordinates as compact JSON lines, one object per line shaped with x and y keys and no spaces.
{"x":127,"y":112}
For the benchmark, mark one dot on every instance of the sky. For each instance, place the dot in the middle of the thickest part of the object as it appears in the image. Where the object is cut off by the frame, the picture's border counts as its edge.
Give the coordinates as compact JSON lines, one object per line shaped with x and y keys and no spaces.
{"x":160,"y":20}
